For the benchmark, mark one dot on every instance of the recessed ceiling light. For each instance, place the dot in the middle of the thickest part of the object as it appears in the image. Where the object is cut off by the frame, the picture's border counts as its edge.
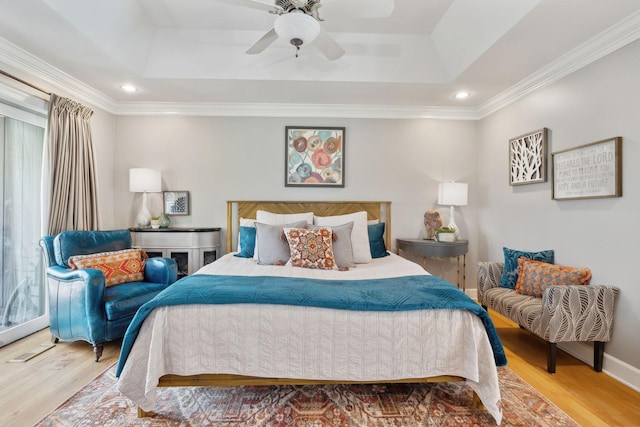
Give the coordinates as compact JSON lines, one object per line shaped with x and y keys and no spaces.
{"x":129,"y":88}
{"x":462,"y":95}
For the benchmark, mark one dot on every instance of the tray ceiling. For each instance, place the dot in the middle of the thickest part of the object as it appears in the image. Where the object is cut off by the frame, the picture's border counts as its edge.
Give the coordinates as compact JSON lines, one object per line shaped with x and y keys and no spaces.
{"x":188,"y":55}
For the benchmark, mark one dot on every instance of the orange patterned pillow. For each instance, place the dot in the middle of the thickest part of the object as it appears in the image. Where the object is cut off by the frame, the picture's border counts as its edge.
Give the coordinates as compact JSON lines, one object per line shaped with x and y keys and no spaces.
{"x":311,"y":248}
{"x":535,"y":276}
{"x":118,"y":267}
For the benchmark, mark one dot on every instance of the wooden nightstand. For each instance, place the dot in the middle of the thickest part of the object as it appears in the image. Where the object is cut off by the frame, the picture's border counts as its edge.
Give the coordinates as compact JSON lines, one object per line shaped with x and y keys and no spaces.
{"x":432,"y":249}
{"x":191,"y":248}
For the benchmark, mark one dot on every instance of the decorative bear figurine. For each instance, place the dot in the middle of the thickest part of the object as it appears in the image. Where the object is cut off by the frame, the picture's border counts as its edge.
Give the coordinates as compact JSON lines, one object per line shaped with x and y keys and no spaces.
{"x":432,"y":222}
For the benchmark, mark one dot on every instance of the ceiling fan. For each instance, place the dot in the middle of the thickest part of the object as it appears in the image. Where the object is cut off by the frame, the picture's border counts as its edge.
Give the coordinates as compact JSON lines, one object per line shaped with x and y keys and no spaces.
{"x":298,"y":21}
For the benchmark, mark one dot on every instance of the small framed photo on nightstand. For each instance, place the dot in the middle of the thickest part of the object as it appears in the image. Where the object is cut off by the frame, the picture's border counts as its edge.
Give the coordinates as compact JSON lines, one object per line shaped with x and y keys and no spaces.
{"x":176,"y":202}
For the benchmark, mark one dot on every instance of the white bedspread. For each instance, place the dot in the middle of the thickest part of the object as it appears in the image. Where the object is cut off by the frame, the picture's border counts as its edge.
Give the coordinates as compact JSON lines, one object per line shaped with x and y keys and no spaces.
{"x":308,"y":342}
{"x":390,"y":266}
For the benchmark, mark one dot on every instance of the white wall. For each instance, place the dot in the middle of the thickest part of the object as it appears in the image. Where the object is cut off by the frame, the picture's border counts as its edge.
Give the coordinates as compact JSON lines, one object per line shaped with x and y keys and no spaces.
{"x":595,"y":103}
{"x":220,"y":158}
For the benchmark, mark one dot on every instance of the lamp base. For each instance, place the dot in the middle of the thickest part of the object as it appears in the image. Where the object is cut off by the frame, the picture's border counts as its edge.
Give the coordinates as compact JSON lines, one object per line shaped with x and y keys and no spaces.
{"x":144,"y":216}
{"x":452,"y":221}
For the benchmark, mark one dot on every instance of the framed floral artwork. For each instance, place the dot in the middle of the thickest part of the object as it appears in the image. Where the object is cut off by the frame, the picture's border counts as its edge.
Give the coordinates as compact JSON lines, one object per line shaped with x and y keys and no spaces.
{"x":314,"y":156}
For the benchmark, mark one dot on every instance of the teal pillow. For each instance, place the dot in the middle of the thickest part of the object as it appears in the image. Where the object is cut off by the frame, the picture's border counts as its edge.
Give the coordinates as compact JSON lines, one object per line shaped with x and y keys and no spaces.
{"x":247,"y":242}
{"x":511,"y":268}
{"x":376,"y":240}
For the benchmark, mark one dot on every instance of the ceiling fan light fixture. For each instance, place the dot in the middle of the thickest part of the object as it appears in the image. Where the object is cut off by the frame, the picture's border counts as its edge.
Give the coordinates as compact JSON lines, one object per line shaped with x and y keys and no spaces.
{"x":297,"y":25}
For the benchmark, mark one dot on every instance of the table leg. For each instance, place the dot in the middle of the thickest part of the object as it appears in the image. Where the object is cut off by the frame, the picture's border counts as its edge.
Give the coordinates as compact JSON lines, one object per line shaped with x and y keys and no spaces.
{"x":464,"y":273}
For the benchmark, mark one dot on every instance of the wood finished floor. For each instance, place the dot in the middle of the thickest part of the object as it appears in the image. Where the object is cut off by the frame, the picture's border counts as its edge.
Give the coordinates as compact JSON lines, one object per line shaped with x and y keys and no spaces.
{"x":29,"y":391}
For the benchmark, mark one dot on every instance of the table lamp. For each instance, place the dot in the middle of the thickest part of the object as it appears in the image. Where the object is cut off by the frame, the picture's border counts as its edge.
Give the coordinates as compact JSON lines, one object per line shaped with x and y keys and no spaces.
{"x":452,"y":194}
{"x":142,"y":180}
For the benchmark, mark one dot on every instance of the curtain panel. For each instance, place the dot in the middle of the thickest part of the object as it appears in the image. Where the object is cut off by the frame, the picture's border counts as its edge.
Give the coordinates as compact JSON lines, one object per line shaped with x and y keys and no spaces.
{"x":73,"y":200}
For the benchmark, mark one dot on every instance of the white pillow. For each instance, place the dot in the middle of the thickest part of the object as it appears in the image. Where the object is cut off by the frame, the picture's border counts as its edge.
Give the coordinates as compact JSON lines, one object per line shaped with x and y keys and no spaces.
{"x":271,"y":218}
{"x":278,"y":219}
{"x":246,"y":222}
{"x":359,"y":234}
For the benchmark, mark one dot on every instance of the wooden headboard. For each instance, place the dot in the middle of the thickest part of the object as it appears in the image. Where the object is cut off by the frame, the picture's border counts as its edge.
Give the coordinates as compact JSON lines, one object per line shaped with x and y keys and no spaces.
{"x":237,"y":209}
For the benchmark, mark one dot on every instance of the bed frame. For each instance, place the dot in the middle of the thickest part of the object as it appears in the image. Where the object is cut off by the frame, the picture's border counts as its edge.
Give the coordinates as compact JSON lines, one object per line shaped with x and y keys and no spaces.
{"x":247,"y":209}
{"x":376,"y":210}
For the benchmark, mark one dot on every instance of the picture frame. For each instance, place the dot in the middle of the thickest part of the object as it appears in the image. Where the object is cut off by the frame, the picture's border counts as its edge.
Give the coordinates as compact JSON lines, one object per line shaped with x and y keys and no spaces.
{"x":314,"y":156}
{"x":528,"y":158}
{"x":175,"y":202}
{"x":588,"y":171}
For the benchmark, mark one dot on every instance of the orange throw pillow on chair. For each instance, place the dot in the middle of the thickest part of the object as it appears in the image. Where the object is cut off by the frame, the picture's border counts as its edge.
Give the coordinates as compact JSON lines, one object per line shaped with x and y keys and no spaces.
{"x":118,"y":266}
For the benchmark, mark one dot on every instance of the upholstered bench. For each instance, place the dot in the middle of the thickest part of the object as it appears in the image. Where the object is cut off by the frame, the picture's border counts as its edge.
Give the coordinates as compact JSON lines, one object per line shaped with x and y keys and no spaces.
{"x":562,"y":314}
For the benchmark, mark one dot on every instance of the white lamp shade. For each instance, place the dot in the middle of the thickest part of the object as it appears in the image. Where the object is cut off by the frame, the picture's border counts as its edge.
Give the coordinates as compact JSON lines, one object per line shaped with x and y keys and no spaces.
{"x":452,"y":193}
{"x":297,"y":25}
{"x":143,"y":180}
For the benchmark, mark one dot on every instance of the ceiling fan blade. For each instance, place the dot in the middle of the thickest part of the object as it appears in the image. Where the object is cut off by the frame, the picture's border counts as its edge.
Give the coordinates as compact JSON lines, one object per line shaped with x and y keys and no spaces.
{"x":341,"y":9}
{"x":328,"y":46}
{"x":264,"y":42}
{"x":256,"y":4}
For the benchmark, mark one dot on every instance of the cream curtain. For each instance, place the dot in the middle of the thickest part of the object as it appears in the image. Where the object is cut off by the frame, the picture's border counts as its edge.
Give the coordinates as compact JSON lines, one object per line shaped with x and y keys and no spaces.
{"x":73,"y":200}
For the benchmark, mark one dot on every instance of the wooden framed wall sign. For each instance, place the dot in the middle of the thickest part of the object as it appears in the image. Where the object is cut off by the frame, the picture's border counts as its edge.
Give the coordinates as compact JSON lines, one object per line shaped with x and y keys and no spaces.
{"x":588,"y":171}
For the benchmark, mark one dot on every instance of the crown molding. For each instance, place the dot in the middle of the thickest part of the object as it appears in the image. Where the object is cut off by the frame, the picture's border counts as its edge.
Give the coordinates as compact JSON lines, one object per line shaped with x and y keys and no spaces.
{"x":599,"y":46}
{"x":615,"y":37}
{"x":296,"y":110}
{"x":24,"y":61}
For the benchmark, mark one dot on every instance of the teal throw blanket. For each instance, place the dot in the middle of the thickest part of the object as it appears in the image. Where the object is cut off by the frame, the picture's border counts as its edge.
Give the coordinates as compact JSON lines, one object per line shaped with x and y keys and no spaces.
{"x":393,"y":294}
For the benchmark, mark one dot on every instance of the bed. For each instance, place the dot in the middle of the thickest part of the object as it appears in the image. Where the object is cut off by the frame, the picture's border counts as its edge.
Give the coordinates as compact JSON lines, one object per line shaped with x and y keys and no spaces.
{"x":204,"y":332}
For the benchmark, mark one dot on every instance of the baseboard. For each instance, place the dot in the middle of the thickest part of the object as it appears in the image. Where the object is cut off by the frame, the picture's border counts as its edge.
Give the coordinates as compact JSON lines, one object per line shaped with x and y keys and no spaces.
{"x":611,"y":366}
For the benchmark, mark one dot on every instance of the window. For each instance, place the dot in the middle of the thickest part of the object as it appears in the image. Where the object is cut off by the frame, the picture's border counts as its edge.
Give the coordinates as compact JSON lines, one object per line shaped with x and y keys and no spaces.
{"x":22,"y":292}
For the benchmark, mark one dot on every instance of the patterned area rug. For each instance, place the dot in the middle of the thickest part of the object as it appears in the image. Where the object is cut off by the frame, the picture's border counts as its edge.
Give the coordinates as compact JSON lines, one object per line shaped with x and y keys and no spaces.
{"x":444,"y":404}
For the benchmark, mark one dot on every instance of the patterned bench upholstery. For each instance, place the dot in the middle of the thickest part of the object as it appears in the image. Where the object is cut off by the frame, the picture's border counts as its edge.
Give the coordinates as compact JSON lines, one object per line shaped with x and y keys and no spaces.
{"x":563,"y":314}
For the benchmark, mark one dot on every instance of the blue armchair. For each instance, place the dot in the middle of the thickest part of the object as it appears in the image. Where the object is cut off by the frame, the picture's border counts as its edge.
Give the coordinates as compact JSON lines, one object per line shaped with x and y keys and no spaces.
{"x":81,"y":307}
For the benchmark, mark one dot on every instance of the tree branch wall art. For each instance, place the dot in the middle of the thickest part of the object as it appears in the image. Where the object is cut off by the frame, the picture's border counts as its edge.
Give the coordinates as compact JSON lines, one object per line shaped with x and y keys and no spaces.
{"x":528,"y":158}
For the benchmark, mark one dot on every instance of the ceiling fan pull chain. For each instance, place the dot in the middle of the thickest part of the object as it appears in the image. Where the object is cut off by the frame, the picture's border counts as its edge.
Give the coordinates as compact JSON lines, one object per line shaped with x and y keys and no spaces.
{"x":297,"y":43}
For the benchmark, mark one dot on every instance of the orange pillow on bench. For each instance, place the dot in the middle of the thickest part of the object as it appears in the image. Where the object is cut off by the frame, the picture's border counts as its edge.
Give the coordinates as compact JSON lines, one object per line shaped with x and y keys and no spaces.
{"x":118,"y":266}
{"x":535,"y":276}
